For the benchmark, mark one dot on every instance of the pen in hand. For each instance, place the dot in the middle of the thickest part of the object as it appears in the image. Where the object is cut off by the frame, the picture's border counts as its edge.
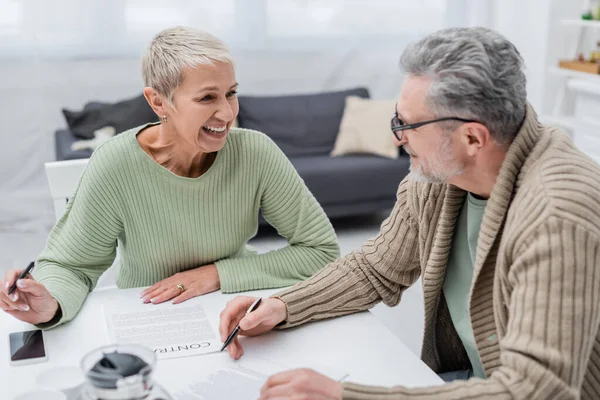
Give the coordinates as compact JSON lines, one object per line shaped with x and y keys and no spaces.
{"x":233,"y":333}
{"x":23,"y":275}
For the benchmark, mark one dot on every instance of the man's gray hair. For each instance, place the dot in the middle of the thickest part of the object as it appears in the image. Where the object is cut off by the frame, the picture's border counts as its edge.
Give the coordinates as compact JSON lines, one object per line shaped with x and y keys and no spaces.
{"x":174,"y":49}
{"x":476,"y":74}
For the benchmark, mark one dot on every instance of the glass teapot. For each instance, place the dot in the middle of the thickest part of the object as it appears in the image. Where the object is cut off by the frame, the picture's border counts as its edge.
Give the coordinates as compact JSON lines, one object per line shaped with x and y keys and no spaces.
{"x":121,"y":372}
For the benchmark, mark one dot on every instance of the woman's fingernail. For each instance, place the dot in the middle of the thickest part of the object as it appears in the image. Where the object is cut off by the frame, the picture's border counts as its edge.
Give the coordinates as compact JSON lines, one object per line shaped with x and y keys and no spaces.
{"x":24,"y":307}
{"x":6,"y":285}
{"x":14,"y":297}
{"x":21,"y":283}
{"x":153,"y":300}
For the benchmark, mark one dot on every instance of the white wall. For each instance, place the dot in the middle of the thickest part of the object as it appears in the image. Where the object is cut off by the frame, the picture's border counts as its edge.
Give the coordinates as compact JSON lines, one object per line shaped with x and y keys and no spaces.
{"x":43,"y":76}
{"x":562,"y":42}
{"x":67,"y":52}
{"x":32,"y":93}
{"x":526,"y":24}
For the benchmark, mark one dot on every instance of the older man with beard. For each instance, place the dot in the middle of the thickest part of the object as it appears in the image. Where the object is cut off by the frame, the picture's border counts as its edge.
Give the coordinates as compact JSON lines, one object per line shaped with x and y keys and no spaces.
{"x":500,"y":218}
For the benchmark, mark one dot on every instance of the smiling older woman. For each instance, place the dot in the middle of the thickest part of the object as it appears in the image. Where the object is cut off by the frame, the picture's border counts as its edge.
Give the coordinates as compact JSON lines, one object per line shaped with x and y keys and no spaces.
{"x":181,"y":197}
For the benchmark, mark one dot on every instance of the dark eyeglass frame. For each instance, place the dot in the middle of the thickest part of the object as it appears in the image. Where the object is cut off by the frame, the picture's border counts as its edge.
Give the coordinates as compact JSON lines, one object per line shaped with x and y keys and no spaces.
{"x":398,"y":125}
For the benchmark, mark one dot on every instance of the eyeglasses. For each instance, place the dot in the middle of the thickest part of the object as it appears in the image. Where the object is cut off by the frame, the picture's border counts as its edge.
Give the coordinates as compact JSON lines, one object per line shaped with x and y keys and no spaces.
{"x":399,"y":126}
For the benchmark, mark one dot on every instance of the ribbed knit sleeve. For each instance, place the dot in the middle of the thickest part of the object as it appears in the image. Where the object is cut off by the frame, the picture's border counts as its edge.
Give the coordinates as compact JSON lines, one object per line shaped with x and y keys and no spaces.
{"x":82,"y":245}
{"x":381,"y":270}
{"x":555,"y":314}
{"x":289,"y":206}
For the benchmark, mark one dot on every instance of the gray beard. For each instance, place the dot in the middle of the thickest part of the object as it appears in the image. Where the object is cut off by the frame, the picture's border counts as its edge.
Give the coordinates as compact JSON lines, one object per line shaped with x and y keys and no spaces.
{"x":416,"y":175}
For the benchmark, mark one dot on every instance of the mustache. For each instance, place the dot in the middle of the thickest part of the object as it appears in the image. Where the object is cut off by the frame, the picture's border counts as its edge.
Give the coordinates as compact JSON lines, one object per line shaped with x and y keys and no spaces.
{"x":409,"y":151}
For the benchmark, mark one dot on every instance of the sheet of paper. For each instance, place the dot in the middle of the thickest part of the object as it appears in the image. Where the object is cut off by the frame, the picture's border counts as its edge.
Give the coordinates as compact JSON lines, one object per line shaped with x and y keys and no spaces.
{"x":237,"y":383}
{"x":172,"y":331}
{"x":239,"y":380}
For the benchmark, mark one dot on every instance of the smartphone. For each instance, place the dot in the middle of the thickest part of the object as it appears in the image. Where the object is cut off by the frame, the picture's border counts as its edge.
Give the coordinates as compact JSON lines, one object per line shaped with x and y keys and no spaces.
{"x":27,"y":347}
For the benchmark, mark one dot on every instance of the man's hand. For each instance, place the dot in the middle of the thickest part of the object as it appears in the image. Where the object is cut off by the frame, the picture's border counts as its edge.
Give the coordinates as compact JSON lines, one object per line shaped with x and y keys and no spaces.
{"x":196,"y":282}
{"x":301,"y":384}
{"x":30,"y":302}
{"x":269,"y":313}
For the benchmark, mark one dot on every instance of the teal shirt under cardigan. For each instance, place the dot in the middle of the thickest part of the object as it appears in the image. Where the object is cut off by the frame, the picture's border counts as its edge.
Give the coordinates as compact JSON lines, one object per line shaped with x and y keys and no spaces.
{"x":166,"y":223}
{"x":459,"y":276}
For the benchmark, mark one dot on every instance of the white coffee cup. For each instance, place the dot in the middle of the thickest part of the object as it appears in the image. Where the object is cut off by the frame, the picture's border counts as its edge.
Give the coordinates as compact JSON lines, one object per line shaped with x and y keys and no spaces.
{"x":66,"y":379}
{"x":42,"y":394}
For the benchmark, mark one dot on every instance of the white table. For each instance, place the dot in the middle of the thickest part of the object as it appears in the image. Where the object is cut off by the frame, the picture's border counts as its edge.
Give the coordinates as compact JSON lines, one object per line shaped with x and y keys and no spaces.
{"x":357,"y":344}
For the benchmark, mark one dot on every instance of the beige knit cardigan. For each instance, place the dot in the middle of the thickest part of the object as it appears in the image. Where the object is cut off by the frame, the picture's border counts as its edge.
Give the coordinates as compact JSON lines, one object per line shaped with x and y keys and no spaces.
{"x":535,"y":296}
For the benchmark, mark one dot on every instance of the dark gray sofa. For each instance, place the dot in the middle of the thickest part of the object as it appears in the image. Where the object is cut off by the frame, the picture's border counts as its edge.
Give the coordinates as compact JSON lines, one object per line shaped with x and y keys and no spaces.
{"x":303,"y":126}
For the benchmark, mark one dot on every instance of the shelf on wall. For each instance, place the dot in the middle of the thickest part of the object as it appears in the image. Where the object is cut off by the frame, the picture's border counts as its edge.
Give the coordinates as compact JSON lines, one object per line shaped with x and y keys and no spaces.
{"x":581,"y":22}
{"x":569,"y":73}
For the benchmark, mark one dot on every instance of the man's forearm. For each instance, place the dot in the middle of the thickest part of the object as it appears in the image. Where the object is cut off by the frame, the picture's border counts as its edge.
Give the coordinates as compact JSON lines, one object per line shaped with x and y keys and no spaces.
{"x":381,"y":270}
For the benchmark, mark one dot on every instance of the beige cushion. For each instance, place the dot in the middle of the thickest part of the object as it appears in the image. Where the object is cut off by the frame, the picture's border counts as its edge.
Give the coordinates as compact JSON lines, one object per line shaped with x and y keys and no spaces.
{"x":365,"y":128}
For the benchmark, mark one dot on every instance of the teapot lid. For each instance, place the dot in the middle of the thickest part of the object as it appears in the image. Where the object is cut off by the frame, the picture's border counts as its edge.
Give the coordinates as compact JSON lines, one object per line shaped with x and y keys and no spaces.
{"x":119,"y":374}
{"x":115,"y":366}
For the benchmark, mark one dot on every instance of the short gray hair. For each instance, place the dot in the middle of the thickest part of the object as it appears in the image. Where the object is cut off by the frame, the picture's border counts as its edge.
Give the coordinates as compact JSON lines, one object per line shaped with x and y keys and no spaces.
{"x":174,"y":49}
{"x":476,"y":74}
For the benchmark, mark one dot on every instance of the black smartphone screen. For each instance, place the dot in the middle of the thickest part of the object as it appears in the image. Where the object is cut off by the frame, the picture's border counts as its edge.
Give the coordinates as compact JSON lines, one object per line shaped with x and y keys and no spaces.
{"x":26,"y":345}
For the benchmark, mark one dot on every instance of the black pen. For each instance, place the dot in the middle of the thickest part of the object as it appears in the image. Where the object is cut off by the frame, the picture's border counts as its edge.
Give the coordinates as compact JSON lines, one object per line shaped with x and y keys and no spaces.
{"x":237,"y":328}
{"x":22,"y":276}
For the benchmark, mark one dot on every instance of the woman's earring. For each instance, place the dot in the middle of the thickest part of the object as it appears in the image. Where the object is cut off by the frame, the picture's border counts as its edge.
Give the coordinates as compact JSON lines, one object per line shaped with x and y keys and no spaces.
{"x":164,"y":119}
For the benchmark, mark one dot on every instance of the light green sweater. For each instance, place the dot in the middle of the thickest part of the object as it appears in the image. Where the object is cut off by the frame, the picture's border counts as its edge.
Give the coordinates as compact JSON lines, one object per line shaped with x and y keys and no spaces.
{"x":166,"y":224}
{"x":459,"y":276}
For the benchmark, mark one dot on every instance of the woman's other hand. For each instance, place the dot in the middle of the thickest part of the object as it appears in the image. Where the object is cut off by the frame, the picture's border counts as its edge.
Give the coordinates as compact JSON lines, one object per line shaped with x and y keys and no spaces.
{"x":30,"y":302}
{"x":184,"y":285}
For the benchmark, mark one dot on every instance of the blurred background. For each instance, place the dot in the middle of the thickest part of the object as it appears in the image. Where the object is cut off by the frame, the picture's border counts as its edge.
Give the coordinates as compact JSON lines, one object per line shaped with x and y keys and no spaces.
{"x":65,"y":53}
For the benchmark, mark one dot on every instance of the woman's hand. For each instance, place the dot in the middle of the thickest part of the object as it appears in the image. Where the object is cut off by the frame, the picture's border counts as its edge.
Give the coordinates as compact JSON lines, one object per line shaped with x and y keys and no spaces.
{"x":195,"y":282}
{"x":30,"y":302}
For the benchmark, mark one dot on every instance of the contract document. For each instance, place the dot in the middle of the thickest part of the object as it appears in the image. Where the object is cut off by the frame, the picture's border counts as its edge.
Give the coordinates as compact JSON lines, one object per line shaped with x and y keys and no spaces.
{"x":172,"y":331}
